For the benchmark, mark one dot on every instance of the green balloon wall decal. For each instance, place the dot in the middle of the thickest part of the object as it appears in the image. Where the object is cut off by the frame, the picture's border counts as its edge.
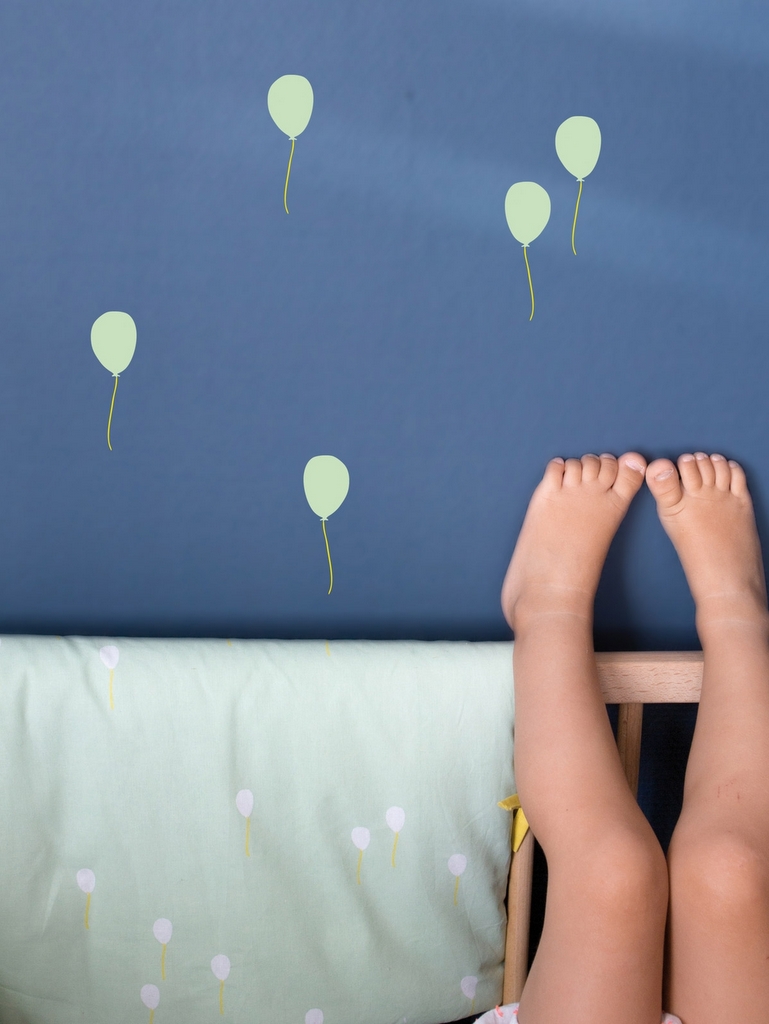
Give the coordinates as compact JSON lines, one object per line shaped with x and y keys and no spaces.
{"x":113,"y":339}
{"x":578,"y":145}
{"x":326,"y":483}
{"x":290,"y":101}
{"x":527,"y":208}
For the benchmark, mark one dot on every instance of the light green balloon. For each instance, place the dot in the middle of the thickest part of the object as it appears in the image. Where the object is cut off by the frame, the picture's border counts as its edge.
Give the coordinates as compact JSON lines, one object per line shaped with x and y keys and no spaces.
{"x":326,"y":483}
{"x":578,"y":145}
{"x":527,"y":208}
{"x":113,"y":339}
{"x":290,"y":102}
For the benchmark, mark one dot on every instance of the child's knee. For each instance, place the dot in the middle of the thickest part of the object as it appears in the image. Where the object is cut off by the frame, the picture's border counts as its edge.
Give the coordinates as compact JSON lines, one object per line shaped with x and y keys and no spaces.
{"x":624,"y":874}
{"x":718,"y":873}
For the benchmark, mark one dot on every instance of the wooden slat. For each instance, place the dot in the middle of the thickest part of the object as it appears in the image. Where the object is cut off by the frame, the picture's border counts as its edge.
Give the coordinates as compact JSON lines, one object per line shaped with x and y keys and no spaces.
{"x":518,"y":914}
{"x":650,"y":677}
{"x":629,"y":725}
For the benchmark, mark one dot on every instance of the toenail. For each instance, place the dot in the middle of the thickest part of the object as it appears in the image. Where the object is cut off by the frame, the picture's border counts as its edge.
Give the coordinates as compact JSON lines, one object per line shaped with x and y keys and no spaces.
{"x":687,"y":458}
{"x":664,"y":474}
{"x":701,"y":455}
{"x":635,"y":464}
{"x":559,"y":460}
{"x":733,"y":464}
{"x":717,"y":458}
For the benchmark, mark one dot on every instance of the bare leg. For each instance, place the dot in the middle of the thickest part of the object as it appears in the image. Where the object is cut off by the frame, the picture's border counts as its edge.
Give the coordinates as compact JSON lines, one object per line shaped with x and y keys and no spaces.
{"x":718,"y":944}
{"x":601,"y":952}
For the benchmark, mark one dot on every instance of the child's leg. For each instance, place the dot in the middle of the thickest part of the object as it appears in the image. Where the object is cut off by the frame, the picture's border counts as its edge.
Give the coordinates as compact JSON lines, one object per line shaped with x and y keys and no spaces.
{"x":600,"y":956}
{"x":719,"y":856}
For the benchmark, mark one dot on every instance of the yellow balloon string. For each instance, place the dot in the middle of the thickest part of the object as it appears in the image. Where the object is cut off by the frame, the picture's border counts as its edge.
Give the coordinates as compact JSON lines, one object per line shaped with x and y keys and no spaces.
{"x":531,"y":286}
{"x":456,"y":890}
{"x":328,"y":650}
{"x":394,"y":846}
{"x":152,"y":1016}
{"x":576,"y":211}
{"x":111,"y":695}
{"x":163,"y":963}
{"x":221,"y":998}
{"x":87,"y":907}
{"x":288,"y":175}
{"x":248,"y":830}
{"x":360,"y":858}
{"x":111,"y":407}
{"x":328,"y":556}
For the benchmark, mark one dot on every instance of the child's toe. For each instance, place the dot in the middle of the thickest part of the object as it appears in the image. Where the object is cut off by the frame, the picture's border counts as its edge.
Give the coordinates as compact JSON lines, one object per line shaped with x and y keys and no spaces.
{"x":690,"y":472}
{"x":554,"y":473}
{"x":591,"y":467}
{"x":722,"y":471}
{"x":572,"y":474}
{"x":631,"y":468}
{"x":706,"y":468}
{"x":608,"y":472}
{"x":664,"y":483}
{"x":739,"y":483}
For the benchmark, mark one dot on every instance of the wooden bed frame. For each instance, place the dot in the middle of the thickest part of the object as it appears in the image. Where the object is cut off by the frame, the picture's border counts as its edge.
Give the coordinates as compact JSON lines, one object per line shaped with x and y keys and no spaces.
{"x":629,"y":680}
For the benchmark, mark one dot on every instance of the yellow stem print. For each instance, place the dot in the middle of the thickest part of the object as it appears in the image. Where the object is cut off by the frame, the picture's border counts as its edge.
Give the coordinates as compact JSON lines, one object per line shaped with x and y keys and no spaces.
{"x":360,"y":858}
{"x":395,"y":844}
{"x":111,"y":407}
{"x":163,"y":963}
{"x":328,"y":556}
{"x":221,"y":998}
{"x":111,"y":694}
{"x":328,"y":650}
{"x":248,"y":832}
{"x":288,"y":175}
{"x":87,"y":908}
{"x":531,"y":286}
{"x":152,"y":1016}
{"x":456,"y":890}
{"x":472,"y":1006}
{"x":576,"y":211}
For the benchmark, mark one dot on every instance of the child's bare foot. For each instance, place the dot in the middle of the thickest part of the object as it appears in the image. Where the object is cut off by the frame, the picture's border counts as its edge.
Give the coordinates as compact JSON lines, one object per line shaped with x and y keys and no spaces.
{"x":571,"y":520}
{"x":708,"y":515}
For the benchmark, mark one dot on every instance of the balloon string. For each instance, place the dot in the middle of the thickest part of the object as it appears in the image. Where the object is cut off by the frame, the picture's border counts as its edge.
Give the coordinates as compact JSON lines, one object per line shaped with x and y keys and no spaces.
{"x":576,"y":211}
{"x":394,"y":847}
{"x":456,"y":890}
{"x":221,"y":998}
{"x":163,"y":963}
{"x":288,"y":174}
{"x":87,"y":907}
{"x":531,"y":286}
{"x":152,"y":1016}
{"x":360,"y":858}
{"x":111,"y":407}
{"x":328,"y":556}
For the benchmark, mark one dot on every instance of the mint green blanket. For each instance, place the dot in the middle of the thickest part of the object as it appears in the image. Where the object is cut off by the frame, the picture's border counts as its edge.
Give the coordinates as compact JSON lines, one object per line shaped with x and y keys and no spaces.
{"x":246,"y":831}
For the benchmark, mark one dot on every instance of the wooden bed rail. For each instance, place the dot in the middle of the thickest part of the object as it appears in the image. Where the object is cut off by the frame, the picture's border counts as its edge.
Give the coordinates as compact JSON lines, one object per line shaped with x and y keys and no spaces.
{"x":650,"y":677}
{"x":629,"y":680}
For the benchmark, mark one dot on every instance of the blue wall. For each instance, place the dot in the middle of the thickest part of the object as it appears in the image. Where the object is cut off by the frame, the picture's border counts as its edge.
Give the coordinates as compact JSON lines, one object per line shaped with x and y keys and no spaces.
{"x":385,"y":321}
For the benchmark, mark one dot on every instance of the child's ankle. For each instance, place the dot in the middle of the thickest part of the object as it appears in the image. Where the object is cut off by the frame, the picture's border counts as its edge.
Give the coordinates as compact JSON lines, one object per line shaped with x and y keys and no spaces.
{"x":539,"y":605}
{"x":742,"y":612}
